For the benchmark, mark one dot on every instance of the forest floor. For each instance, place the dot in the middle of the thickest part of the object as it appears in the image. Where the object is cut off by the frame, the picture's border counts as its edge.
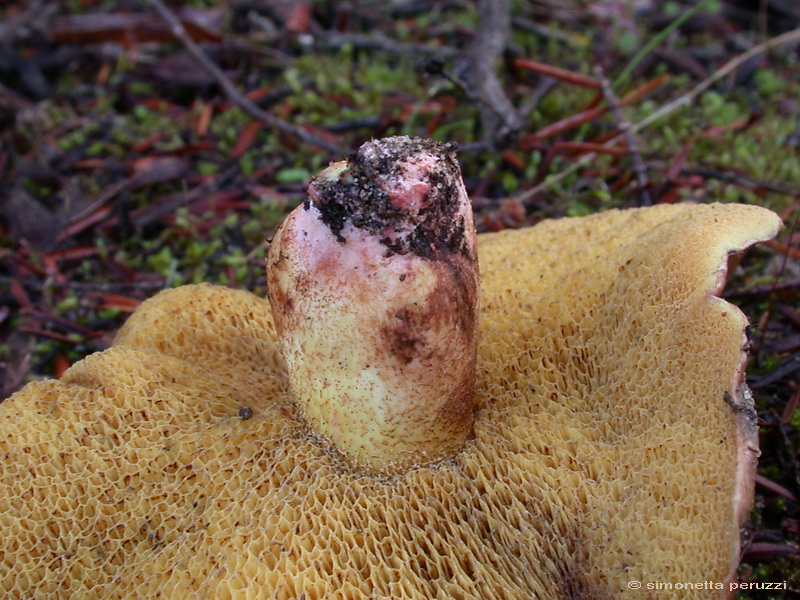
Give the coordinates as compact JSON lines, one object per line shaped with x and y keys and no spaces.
{"x":142,"y":148}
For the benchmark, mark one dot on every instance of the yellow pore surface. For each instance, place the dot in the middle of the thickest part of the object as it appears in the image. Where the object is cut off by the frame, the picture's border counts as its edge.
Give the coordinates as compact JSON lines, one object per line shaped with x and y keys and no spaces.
{"x":603,"y":451}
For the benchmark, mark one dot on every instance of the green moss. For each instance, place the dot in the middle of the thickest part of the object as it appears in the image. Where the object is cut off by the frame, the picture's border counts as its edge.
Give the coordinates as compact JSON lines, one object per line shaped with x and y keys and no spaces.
{"x":579,"y":209}
{"x":163,"y":262}
{"x":207,"y":168}
{"x":770,"y":83}
{"x":293,"y":175}
{"x":141,"y":88}
{"x":510,"y":182}
{"x":70,"y":303}
{"x":247,"y":162}
{"x":109,"y":313}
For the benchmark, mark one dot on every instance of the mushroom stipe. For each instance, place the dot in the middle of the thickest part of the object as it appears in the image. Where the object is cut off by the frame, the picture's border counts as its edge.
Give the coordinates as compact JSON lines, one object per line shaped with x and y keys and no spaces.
{"x":613,"y":441}
{"x":374,"y":290}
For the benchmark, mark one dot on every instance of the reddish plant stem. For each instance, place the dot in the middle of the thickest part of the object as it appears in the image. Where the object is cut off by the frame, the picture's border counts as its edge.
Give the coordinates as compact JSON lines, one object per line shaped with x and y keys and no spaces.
{"x":557,"y":73}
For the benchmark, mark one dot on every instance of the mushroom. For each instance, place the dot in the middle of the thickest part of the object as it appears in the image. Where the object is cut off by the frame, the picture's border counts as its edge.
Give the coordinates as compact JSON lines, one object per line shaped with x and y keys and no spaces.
{"x":373,"y":284}
{"x":613,"y":442}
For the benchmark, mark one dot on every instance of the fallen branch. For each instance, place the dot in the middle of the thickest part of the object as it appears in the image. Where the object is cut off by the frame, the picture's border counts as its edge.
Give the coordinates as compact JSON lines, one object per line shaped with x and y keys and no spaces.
{"x":476,"y":73}
{"x":233,"y":94}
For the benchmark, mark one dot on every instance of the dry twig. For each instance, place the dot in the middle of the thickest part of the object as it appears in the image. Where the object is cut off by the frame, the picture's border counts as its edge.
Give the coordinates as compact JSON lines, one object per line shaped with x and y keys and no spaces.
{"x":743,"y":181}
{"x":637,"y":162}
{"x":665,"y":110}
{"x":478,"y":72}
{"x":381,"y":43}
{"x":234,"y":95}
{"x":41,"y":284}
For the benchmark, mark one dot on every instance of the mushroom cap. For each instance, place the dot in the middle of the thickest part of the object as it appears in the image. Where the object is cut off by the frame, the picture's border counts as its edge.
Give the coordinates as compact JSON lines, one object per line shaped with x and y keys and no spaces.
{"x":614,"y":441}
